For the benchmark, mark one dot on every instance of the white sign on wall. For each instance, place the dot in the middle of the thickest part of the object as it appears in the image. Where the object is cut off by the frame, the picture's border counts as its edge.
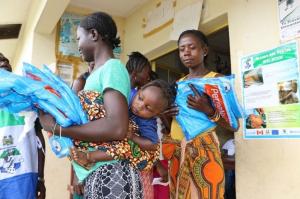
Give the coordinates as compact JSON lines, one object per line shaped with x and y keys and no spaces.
{"x":159,"y":16}
{"x":289,"y":17}
{"x":186,"y":18}
{"x":65,"y":72}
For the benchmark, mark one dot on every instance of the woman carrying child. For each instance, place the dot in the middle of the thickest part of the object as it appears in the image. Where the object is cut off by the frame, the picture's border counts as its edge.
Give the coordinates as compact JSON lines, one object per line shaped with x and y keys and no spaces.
{"x":96,"y":36}
{"x":144,"y":105}
{"x":201,"y":173}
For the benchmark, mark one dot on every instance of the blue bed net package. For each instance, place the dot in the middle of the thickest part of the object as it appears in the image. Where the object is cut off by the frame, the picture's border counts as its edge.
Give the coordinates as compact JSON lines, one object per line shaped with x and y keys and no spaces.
{"x":223,"y":98}
{"x":42,"y":89}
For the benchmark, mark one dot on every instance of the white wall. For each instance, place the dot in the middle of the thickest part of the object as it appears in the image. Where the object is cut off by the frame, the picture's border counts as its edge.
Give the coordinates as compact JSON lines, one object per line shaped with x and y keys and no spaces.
{"x":24,"y":48}
{"x":264,"y":168}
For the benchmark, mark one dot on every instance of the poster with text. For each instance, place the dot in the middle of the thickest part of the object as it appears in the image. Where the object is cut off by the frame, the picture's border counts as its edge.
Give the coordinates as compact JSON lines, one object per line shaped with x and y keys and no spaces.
{"x":289,"y":18}
{"x":270,"y":88}
{"x":67,"y":35}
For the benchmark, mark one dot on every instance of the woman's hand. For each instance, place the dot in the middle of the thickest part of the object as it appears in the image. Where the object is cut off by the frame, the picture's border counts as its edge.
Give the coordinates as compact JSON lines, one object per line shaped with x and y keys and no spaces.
{"x":46,"y":120}
{"x":171,"y":112}
{"x":200,"y":102}
{"x":166,"y":117}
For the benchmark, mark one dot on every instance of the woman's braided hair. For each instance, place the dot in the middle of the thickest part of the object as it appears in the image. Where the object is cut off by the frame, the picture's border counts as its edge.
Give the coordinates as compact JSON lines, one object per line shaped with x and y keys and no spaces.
{"x":137,"y":62}
{"x":105,"y":26}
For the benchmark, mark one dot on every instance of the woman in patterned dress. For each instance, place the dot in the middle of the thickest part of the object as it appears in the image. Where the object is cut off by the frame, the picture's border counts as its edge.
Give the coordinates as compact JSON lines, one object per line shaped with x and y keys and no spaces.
{"x":196,"y":169}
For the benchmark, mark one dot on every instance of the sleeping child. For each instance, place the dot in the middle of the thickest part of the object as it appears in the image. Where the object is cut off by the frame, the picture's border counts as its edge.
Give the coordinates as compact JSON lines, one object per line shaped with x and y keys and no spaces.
{"x":141,"y":147}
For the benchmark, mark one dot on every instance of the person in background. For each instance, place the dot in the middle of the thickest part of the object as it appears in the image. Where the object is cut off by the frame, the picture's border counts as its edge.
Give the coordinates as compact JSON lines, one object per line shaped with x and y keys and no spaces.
{"x":201,"y":173}
{"x":161,"y":167}
{"x":139,"y":69}
{"x":228,"y":150}
{"x":79,"y":83}
{"x":21,"y":160}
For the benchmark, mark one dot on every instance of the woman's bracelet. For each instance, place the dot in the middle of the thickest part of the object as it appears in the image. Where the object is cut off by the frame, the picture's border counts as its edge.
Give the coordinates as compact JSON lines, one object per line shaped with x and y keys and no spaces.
{"x":59,"y":131}
{"x":53,"y":128}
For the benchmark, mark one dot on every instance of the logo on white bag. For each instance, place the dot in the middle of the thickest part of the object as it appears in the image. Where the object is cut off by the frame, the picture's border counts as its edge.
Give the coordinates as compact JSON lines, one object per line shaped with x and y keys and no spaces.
{"x":10,"y":157}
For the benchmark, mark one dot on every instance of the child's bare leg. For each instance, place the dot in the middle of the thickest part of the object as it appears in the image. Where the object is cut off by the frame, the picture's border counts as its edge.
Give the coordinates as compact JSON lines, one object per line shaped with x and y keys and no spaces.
{"x":81,"y":158}
{"x":97,"y":156}
{"x":88,"y":158}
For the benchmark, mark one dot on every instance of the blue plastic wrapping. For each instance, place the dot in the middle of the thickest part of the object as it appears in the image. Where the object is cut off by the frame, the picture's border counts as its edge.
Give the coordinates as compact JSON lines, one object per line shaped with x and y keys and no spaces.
{"x":41,"y":89}
{"x":59,"y":145}
{"x":222,"y":94}
{"x":34,"y":73}
{"x":73,"y":99}
{"x":37,"y":93}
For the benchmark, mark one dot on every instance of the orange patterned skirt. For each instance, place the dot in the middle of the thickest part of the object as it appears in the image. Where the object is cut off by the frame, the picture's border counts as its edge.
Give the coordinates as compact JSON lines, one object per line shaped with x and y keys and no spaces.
{"x":196,"y":169}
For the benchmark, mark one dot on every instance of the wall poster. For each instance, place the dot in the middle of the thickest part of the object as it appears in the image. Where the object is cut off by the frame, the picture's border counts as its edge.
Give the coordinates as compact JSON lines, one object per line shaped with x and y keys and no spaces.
{"x":67,"y":34}
{"x":270,"y":88}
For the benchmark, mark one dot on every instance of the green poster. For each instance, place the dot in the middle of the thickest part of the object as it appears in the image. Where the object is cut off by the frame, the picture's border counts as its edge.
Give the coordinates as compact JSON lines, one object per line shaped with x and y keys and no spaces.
{"x":270,"y":88}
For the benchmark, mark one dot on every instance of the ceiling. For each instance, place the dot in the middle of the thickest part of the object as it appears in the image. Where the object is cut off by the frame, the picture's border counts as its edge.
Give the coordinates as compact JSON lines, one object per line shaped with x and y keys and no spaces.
{"x":16,"y":12}
{"x":121,"y":8}
{"x":12,"y":12}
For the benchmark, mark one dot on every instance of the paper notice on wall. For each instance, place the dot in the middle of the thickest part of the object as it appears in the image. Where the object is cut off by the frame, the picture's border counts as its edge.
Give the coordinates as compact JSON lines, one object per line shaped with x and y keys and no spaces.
{"x":65,"y":72}
{"x":159,"y":16}
{"x":186,"y":18}
{"x":270,"y":90}
{"x":289,"y":17}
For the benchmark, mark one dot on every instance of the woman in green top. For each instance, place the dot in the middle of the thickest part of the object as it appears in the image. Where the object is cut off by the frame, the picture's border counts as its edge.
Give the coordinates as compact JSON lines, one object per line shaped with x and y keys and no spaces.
{"x":96,"y":37}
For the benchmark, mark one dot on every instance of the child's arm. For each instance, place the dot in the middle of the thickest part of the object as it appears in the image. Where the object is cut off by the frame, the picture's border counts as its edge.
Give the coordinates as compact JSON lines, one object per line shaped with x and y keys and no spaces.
{"x":143,"y":143}
{"x":148,"y":139}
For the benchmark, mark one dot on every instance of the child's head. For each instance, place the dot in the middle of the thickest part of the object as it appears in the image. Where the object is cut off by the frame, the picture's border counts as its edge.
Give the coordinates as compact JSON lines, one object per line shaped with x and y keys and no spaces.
{"x":97,"y":28}
{"x":139,"y":69}
{"x":152,"y":99}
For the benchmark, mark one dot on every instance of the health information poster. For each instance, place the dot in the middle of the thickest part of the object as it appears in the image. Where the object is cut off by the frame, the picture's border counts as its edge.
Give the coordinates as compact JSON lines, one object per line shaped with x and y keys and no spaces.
{"x":270,"y":88}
